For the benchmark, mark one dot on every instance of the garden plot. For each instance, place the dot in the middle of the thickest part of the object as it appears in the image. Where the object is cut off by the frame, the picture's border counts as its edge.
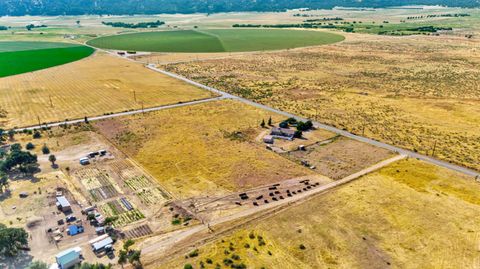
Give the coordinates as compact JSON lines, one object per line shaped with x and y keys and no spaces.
{"x":137,"y":232}
{"x":147,"y":190}
{"x":122,"y":210}
{"x":98,"y":183}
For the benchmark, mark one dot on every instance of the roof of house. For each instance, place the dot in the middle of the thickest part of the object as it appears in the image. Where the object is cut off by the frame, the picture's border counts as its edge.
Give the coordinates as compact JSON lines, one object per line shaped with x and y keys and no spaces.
{"x":63,"y":201}
{"x":102,"y":243}
{"x":68,"y":256}
{"x":282,"y":131}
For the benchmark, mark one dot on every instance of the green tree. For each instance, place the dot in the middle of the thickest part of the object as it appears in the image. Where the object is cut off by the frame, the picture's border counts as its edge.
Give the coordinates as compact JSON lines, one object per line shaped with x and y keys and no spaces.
{"x":122,"y":257}
{"x":52,"y":159}
{"x":11,"y":134}
{"x":3,"y":181}
{"x":12,"y":240}
{"x":37,"y":265}
{"x":37,"y":135}
{"x":270,"y":121}
{"x":128,"y":244}
{"x":30,"y":146}
{"x":262,"y":124}
{"x":45,"y":149}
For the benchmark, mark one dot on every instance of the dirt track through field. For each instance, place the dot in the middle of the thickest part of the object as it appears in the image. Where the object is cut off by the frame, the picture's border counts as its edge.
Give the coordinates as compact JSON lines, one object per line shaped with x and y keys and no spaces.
{"x":155,"y":247}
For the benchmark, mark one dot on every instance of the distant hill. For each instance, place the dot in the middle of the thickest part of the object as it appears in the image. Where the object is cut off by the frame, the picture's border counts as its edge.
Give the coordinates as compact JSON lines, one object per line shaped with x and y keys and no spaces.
{"x":122,"y":7}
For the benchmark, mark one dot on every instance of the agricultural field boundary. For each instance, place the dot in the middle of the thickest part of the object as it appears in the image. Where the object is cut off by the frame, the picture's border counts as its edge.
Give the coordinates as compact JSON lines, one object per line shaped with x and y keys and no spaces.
{"x":120,"y":114}
{"x":167,"y":242}
{"x":454,"y":167}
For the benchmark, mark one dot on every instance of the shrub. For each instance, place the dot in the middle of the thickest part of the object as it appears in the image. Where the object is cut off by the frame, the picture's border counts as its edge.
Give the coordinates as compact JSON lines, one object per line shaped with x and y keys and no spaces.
{"x":251,"y":235}
{"x":209,"y":261}
{"x":37,"y":135}
{"x":235,"y":257}
{"x":302,"y":247}
{"x":45,"y":149}
{"x":187,"y":266}
{"x":247,"y":245}
{"x":30,"y":146}
{"x":176,"y":222}
{"x":193,"y":253}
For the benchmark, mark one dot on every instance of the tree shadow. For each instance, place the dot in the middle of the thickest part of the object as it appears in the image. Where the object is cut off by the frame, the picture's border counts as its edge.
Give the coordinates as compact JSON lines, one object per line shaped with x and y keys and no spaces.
{"x":22,"y":260}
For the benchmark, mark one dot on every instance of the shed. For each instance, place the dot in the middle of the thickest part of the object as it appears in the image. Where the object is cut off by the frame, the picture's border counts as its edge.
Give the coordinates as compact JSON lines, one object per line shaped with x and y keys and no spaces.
{"x":268,"y":139}
{"x":100,"y":245}
{"x":69,"y":258}
{"x":63,"y":204}
{"x":75,"y":229}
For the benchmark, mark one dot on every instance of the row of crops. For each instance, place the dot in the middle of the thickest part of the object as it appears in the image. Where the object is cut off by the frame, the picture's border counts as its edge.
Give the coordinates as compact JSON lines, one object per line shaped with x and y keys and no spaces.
{"x":147,"y":191}
{"x":123,"y":212}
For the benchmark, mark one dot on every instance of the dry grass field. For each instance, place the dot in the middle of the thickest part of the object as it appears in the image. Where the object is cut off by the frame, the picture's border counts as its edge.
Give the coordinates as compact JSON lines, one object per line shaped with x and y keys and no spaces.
{"x":339,"y":158}
{"x":407,"y":215}
{"x":202,"y":149}
{"x":409,"y":91}
{"x":97,"y":85}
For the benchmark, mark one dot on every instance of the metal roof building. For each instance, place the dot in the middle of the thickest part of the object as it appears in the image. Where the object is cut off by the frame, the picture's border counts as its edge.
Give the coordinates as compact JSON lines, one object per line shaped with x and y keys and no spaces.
{"x":69,"y":258}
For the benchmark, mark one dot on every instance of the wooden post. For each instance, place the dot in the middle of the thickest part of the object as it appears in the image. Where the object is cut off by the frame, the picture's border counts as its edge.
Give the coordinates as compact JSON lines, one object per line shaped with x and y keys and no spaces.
{"x":434,"y":148}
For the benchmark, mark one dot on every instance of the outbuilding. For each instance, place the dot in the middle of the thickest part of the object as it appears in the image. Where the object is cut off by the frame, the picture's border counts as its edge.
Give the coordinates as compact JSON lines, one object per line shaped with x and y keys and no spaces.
{"x":268,"y":139}
{"x":63,"y":204}
{"x":100,"y":245}
{"x":69,"y":258}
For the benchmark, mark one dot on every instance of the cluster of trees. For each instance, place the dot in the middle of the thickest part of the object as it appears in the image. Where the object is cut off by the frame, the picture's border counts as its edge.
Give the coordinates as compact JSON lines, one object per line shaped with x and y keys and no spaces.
{"x":3,"y":28}
{"x":154,"y":24}
{"x":129,"y":255}
{"x":75,"y":7}
{"x":324,"y":19}
{"x":17,"y":159}
{"x":439,"y":16}
{"x":12,"y":240}
{"x":32,"y":26}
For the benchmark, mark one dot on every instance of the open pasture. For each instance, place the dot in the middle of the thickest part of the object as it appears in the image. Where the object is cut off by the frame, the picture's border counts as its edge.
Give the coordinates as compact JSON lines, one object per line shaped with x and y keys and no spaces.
{"x":339,"y":157}
{"x":97,"y":85}
{"x":21,"y":57}
{"x":216,"y":40}
{"x":397,"y":217}
{"x":417,"y":92}
{"x":202,"y":149}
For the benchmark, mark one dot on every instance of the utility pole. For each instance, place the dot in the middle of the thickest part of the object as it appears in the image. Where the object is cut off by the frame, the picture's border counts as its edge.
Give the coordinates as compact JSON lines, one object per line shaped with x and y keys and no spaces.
{"x":143,"y":110}
{"x":135,"y":96}
{"x":434,"y":147}
{"x":39,"y":123}
{"x":51,"y":103}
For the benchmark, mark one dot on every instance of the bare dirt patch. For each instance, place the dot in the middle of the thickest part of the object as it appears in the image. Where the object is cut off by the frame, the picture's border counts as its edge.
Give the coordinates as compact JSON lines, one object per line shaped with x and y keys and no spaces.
{"x":339,"y":157}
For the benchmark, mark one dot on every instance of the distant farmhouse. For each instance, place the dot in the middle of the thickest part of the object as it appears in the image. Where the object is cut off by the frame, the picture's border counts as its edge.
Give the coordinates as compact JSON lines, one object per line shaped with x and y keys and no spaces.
{"x":282,"y":133}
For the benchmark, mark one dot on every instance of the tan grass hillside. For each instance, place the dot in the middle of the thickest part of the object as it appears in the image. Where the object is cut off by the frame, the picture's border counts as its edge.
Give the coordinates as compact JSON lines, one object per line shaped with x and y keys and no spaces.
{"x":419,"y":93}
{"x":407,"y":215}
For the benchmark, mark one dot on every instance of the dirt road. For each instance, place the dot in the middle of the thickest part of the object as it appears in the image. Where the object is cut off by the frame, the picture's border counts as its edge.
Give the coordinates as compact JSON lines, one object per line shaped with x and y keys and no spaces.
{"x":155,"y":247}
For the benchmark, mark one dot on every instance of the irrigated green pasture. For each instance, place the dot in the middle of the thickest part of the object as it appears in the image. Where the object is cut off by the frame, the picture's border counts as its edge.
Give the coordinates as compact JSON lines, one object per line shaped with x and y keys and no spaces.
{"x":226,"y":40}
{"x":22,"y":57}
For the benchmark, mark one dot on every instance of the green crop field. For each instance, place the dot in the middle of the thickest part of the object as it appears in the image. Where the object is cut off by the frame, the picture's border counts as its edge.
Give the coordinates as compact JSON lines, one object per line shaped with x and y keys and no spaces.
{"x":22,"y":57}
{"x":227,"y":40}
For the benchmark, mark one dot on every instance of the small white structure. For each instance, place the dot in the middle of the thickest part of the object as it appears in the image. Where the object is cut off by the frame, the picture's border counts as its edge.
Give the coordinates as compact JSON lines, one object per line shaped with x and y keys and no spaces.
{"x":84,"y":161}
{"x":69,"y":258}
{"x":63,"y":204}
{"x":100,"y":244}
{"x":268,"y":139}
